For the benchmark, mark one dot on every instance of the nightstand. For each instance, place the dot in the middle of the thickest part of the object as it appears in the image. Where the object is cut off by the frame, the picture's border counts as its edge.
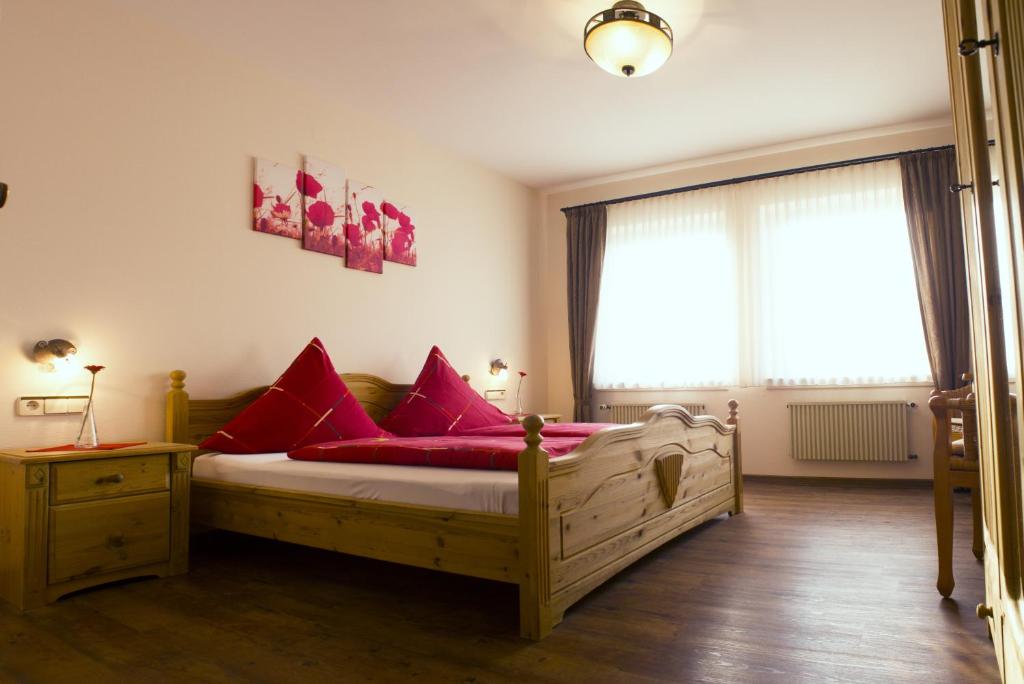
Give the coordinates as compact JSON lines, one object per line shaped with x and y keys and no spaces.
{"x":548,"y":417}
{"x":75,"y":519}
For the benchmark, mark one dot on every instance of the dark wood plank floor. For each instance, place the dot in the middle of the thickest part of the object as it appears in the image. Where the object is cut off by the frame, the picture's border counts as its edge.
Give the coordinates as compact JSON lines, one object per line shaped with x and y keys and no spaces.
{"x":814,"y":584}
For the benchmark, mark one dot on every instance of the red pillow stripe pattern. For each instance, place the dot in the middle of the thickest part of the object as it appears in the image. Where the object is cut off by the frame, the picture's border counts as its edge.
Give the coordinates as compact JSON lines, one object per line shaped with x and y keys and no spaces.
{"x":549,"y":430}
{"x":441,"y":403}
{"x":478,"y":453}
{"x":308,"y":404}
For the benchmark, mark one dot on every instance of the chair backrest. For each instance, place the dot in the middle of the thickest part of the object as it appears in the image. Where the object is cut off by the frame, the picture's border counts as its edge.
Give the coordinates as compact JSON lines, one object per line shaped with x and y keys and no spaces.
{"x":958,"y":403}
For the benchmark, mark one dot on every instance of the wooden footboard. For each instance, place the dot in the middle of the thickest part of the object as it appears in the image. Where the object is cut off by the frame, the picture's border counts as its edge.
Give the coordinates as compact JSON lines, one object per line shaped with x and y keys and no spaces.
{"x":624,"y":492}
{"x":582,"y":517}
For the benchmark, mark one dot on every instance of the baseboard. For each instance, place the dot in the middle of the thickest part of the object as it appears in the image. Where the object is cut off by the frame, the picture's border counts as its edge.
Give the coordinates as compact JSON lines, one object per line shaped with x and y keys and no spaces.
{"x":894,"y":483}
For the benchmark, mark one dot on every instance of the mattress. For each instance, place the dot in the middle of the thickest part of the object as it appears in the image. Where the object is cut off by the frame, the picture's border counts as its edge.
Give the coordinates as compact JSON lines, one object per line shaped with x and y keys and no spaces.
{"x":489,"y":491}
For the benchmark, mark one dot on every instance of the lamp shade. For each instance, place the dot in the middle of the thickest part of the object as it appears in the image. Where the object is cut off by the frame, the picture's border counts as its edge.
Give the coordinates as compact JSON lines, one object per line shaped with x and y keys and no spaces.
{"x":627,"y":40}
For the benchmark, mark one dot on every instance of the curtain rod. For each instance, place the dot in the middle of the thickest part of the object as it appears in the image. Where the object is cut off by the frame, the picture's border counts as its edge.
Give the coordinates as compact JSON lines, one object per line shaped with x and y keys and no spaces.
{"x":771,"y":174}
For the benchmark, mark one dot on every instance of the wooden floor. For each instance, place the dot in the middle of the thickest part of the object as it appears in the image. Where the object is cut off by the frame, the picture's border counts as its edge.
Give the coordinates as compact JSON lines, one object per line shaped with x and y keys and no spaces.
{"x":813,"y":584}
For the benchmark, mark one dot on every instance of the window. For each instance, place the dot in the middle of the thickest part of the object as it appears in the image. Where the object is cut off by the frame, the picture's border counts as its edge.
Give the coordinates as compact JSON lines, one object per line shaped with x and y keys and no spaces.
{"x":670,"y":263}
{"x":797,"y":280}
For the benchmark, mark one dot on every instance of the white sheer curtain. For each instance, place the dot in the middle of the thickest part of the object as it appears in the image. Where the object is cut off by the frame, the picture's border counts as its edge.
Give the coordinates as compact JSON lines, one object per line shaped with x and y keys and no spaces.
{"x":835,"y":301}
{"x":668,"y":293}
{"x":804,"y":279}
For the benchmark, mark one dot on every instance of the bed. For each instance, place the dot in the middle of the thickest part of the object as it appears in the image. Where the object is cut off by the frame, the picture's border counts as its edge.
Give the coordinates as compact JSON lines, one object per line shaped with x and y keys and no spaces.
{"x":576,"y":519}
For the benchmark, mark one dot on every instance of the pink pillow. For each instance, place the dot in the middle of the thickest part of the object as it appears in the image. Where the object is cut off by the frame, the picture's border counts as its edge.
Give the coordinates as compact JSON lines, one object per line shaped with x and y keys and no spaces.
{"x":309,"y":404}
{"x":441,"y":403}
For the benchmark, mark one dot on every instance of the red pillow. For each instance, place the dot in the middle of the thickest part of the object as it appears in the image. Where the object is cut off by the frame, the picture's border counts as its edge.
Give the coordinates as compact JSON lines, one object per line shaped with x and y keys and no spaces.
{"x":441,"y":403}
{"x":309,"y":404}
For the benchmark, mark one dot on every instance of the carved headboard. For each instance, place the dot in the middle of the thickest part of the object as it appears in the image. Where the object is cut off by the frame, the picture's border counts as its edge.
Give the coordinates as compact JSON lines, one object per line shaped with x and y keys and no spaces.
{"x":190,"y":421}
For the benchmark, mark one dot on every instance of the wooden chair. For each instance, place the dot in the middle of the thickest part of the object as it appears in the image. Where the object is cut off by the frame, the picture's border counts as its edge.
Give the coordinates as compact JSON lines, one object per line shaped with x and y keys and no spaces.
{"x":956,"y":465}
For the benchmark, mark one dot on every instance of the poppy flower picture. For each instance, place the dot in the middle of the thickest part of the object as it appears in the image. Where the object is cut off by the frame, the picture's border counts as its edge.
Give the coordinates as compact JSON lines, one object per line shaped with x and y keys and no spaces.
{"x":399,"y":233}
{"x":276,"y":207}
{"x":322,"y":186}
{"x":364,"y":234}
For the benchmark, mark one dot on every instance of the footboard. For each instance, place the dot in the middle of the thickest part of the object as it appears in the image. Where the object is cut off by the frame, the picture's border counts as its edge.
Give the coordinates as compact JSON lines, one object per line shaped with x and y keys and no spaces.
{"x":624,"y":492}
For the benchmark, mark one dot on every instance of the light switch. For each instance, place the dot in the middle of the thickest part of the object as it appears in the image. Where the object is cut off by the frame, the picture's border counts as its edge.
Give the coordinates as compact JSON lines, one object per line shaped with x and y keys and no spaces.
{"x":77,"y":404}
{"x":27,"y":406}
{"x":53,"y":405}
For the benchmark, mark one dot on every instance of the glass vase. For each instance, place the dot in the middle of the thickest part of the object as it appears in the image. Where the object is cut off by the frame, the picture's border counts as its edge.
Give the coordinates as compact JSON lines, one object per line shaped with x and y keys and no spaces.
{"x":519,"y":394}
{"x":87,"y":436}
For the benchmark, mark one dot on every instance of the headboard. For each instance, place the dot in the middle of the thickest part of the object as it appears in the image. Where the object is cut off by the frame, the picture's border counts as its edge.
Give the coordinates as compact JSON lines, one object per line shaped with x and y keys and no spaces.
{"x":190,"y":421}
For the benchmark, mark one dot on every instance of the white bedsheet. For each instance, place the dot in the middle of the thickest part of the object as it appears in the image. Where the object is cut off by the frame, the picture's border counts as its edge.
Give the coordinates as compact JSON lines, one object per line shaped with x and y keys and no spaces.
{"x":490,"y":491}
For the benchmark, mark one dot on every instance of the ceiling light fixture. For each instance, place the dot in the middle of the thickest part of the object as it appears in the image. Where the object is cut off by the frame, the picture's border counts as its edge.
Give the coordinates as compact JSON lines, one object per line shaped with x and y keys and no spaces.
{"x":627,"y":40}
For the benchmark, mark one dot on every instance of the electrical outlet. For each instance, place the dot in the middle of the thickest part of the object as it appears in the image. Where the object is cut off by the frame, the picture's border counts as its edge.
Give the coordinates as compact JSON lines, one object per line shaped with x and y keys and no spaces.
{"x":28,"y":406}
{"x":494,"y":394}
{"x":50,"y":406}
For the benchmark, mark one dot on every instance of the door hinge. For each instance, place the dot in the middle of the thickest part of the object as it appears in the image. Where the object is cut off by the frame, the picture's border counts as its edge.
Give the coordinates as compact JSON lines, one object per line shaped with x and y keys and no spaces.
{"x":970,"y":46}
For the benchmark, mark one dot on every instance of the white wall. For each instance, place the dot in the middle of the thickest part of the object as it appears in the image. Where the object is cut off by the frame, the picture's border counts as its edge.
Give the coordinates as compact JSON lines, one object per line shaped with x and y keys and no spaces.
{"x":763,"y":415}
{"x":128,"y":150}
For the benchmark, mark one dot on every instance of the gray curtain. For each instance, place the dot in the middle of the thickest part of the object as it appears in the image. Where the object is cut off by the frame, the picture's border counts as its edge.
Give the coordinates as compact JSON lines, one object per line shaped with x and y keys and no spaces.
{"x":937,"y":243}
{"x":586,"y":229}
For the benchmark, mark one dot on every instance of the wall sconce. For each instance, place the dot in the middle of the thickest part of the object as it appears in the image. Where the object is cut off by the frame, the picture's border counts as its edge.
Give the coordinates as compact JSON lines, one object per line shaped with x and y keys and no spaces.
{"x":499,"y":368}
{"x":3,"y":194}
{"x":48,"y":352}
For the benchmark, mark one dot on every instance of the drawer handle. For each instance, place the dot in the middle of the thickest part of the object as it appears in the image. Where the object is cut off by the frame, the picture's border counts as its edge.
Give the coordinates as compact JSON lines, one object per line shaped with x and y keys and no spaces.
{"x":115,"y":541}
{"x":117,"y":478}
{"x":984,"y":611}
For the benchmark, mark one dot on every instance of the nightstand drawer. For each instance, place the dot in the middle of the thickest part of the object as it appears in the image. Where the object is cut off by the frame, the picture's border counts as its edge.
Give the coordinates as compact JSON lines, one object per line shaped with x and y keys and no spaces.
{"x":109,"y":477}
{"x":98,"y":537}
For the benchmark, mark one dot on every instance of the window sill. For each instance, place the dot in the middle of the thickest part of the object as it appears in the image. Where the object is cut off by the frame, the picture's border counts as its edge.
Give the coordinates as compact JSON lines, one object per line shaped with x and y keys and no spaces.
{"x":715,"y":388}
{"x":773,"y":388}
{"x":886,"y":385}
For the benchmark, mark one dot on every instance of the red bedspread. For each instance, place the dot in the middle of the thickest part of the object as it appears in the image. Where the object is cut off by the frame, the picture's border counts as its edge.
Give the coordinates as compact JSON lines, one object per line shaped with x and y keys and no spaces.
{"x":477,"y":452}
{"x":549,"y":430}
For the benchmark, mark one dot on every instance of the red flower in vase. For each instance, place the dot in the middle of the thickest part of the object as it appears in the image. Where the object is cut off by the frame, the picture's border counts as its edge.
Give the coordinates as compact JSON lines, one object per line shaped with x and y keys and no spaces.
{"x":257,"y":196}
{"x":307,"y":184}
{"x":390,"y":210}
{"x":94,"y":369}
{"x":320,"y":214}
{"x":522,"y":374}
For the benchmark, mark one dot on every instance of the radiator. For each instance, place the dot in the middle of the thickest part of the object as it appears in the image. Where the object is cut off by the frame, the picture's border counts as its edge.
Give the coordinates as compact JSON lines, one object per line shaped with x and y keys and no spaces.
{"x":631,"y":413}
{"x":849,"y":431}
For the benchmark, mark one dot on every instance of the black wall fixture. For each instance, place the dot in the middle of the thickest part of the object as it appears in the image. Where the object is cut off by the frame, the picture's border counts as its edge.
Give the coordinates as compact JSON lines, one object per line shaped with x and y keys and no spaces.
{"x":3,"y":194}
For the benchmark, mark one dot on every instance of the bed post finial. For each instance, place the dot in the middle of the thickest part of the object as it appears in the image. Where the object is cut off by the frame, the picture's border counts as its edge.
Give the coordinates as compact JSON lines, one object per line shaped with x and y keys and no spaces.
{"x":535,"y":618}
{"x":533,"y":424}
{"x":737,"y":459}
{"x":176,"y":429}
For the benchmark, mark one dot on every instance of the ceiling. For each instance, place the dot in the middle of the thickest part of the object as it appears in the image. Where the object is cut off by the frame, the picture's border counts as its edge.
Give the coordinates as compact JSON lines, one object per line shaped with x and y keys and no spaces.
{"x":506,"y":82}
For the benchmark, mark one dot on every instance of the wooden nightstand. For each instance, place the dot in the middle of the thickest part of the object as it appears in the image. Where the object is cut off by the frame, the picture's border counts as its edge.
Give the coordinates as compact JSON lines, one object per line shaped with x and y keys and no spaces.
{"x":74,"y":519}
{"x":548,"y":417}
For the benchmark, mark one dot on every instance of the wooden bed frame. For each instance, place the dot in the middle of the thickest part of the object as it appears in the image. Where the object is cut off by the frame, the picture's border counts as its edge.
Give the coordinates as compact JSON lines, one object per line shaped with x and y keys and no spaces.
{"x":582,"y":517}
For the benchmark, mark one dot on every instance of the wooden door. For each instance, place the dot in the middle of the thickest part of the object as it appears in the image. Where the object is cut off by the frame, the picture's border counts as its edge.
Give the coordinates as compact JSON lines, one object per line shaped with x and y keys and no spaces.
{"x":995,"y":258}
